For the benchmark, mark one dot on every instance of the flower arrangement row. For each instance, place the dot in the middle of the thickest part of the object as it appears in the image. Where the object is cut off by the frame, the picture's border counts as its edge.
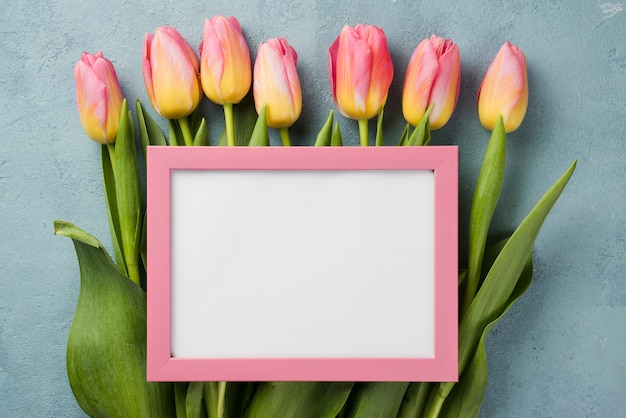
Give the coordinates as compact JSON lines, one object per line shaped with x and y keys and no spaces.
{"x":360,"y":70}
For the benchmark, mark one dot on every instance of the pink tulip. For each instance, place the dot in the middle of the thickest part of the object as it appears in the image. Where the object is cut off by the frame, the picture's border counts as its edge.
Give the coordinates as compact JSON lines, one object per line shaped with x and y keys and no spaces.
{"x":432,"y":79}
{"x":504,"y":90}
{"x":98,"y":96}
{"x":276,"y":83}
{"x":360,"y":71}
{"x":171,"y":71}
{"x":225,"y":68}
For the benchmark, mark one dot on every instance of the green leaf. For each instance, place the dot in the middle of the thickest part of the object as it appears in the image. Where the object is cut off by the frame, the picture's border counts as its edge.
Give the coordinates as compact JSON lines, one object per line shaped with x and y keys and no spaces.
{"x":108,"y":151}
{"x":143,"y":244}
{"x":467,"y":396}
{"x":336,"y":140}
{"x":375,"y":400}
{"x":421,"y":133}
{"x":415,"y":399}
{"x":379,"y":128}
{"x":486,"y":195}
{"x":149,"y":131}
{"x":260,"y":136}
{"x":501,"y":280}
{"x":128,"y":194}
{"x":298,"y":399}
{"x":194,"y":402}
{"x":106,"y":348}
{"x":202,"y":134}
{"x":180,"y":396}
{"x":404,"y":138}
{"x":175,"y":136}
{"x":326,"y":133}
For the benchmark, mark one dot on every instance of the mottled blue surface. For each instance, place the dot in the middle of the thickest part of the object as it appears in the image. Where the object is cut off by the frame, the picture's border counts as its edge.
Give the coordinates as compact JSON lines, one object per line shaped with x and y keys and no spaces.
{"x":560,"y":351}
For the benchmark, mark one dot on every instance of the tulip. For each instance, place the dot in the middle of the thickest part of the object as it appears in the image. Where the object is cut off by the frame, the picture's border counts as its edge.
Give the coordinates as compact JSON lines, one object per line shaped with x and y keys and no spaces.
{"x":276,"y":85}
{"x":99,"y":97}
{"x":432,"y":81}
{"x":225,"y":70}
{"x":170,"y":71}
{"x":361,"y":71}
{"x":504,"y":90}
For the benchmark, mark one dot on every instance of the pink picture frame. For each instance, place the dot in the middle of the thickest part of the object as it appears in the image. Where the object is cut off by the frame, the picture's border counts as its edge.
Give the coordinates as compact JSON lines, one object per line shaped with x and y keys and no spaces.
{"x":294,"y":362}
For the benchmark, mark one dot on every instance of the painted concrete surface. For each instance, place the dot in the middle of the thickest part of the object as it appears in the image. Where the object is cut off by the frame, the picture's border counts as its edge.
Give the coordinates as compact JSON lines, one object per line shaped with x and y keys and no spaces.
{"x":559,"y":352}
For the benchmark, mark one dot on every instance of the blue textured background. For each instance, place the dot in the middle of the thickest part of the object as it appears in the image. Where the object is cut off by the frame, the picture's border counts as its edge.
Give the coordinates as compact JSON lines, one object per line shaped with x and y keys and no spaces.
{"x":560,"y":351}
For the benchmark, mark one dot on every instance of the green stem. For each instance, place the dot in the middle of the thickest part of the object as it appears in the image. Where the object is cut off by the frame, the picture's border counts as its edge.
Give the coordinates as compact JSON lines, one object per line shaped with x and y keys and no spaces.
{"x":486,"y":195}
{"x":230,"y":125}
{"x":186,"y":131}
{"x":284,"y":136}
{"x":133,"y":271}
{"x":435,"y":405}
{"x":111,"y":149}
{"x":363,"y":134}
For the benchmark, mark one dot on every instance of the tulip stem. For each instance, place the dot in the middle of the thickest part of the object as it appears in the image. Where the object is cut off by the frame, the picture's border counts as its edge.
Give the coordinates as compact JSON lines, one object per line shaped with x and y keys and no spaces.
{"x":111,"y":149}
{"x":284,"y":136}
{"x":186,"y":131}
{"x":363,"y":132}
{"x":230,"y":125}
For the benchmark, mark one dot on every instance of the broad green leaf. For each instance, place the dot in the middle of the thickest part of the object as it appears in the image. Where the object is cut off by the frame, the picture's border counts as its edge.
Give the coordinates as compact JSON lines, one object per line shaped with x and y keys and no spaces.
{"x":260,"y":137}
{"x":111,"y":201}
{"x":467,"y":395}
{"x":486,"y":195}
{"x":195,"y":120}
{"x":149,"y":131}
{"x":379,"y":128}
{"x":174,"y":136}
{"x":415,"y":399}
{"x":194,"y":402}
{"x":298,"y":399}
{"x":404,"y":138}
{"x":180,"y":397}
{"x":375,"y":400}
{"x":202,"y":134}
{"x":336,"y":140}
{"x":128,"y":194}
{"x":326,"y":133}
{"x":106,"y":348}
{"x":501,"y":280}
{"x":226,"y":399}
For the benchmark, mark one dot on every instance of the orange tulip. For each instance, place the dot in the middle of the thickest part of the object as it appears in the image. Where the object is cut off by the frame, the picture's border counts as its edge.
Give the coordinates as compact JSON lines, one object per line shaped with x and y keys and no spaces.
{"x":98,"y":96}
{"x":225,"y":69}
{"x":360,"y":70}
{"x":432,"y":78}
{"x":504,"y":90}
{"x":170,"y":71}
{"x":276,"y":83}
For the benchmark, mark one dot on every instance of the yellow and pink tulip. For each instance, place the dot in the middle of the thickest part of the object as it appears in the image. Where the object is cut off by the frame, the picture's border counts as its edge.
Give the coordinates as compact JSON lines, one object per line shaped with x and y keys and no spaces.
{"x":276,"y":85}
{"x":504,"y":90}
{"x":432,"y":81}
{"x":361,"y":71}
{"x":98,"y":96}
{"x":171,"y":73}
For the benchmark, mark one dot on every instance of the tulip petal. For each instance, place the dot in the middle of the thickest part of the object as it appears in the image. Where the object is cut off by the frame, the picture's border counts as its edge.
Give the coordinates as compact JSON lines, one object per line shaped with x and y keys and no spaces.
{"x":91,"y":97}
{"x":445,"y":90}
{"x":353,"y":73}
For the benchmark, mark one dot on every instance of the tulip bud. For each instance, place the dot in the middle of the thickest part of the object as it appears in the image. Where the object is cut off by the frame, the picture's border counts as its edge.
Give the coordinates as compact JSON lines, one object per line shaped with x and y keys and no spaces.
{"x":504,"y":90}
{"x":432,"y":78}
{"x":99,"y":97}
{"x":170,"y":71}
{"x":276,"y":84}
{"x":225,"y":69}
{"x":360,"y":70}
